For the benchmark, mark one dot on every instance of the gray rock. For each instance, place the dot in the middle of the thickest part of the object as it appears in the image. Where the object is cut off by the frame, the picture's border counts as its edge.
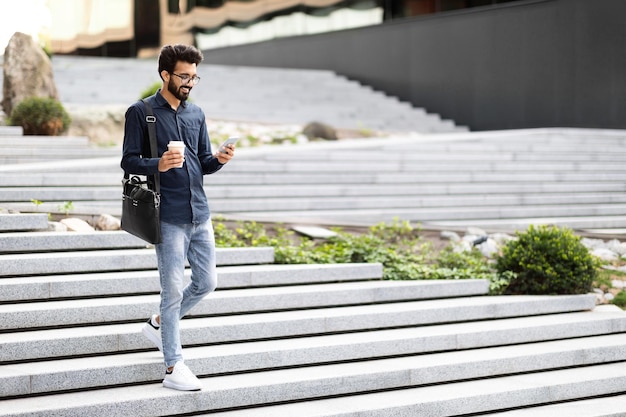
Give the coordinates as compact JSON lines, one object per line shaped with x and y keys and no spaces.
{"x":27,"y":72}
{"x":488,"y":248}
{"x":108,"y":222}
{"x":618,"y":283}
{"x":592,"y":243}
{"x":605,"y":254}
{"x":317,"y":130}
{"x":452,"y":236}
{"x":57,"y":227}
{"x":616,"y":246}
{"x":502,"y":238}
{"x":475,"y":231}
{"x":77,"y":225}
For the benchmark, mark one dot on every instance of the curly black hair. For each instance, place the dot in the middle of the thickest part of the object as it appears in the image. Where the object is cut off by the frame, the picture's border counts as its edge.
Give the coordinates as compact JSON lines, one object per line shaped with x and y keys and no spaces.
{"x":171,"y":54}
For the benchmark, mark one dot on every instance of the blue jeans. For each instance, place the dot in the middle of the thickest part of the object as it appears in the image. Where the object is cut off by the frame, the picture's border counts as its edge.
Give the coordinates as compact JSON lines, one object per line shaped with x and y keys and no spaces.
{"x":180,"y":242}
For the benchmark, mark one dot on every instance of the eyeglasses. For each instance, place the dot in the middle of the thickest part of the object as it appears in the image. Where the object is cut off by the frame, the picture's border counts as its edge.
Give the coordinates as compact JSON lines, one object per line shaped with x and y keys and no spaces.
{"x":185,"y":79}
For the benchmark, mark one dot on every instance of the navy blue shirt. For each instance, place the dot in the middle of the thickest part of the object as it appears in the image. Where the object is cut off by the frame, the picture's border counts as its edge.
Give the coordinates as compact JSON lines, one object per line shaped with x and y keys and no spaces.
{"x":183,"y":199}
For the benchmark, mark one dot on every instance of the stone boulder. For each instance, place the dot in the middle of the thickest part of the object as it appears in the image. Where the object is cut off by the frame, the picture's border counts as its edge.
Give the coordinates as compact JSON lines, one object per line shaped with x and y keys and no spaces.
{"x":108,"y":222}
{"x":317,"y":130}
{"x":27,"y":72}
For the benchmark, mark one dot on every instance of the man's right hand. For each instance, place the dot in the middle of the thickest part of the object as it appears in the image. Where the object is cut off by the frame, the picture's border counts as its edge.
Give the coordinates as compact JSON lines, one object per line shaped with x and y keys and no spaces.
{"x":170,"y":160}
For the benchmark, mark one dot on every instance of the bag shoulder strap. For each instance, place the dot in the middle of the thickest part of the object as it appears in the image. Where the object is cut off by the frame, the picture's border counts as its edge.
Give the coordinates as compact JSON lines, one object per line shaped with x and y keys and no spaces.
{"x":151,"y":121}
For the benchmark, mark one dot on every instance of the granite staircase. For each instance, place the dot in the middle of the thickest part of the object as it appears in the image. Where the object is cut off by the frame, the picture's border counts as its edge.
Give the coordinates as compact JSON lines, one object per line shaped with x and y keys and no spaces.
{"x":493,"y":180}
{"x":252,"y":94}
{"x":288,"y":340}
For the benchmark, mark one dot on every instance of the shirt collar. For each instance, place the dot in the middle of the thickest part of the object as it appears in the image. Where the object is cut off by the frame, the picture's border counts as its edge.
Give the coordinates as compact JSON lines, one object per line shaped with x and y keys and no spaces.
{"x":161,"y":101}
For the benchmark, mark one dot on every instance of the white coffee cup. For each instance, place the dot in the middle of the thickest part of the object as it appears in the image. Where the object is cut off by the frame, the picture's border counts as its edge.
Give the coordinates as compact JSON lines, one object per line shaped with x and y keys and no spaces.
{"x":177,"y":146}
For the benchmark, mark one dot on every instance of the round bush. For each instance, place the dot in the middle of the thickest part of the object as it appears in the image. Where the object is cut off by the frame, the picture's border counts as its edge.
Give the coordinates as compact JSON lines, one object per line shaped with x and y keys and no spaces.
{"x":40,"y":116}
{"x":150,"y":90}
{"x":547,"y":260}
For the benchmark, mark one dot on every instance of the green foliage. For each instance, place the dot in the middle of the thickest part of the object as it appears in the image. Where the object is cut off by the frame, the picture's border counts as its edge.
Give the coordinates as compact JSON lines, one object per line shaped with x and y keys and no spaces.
{"x":547,"y":260}
{"x":66,"y":207}
{"x":40,"y":116}
{"x":398,"y":246}
{"x":462,"y":264}
{"x":37,"y":203}
{"x":604,"y":278}
{"x":543,"y":260}
{"x":151,"y":90}
{"x":620,"y":299}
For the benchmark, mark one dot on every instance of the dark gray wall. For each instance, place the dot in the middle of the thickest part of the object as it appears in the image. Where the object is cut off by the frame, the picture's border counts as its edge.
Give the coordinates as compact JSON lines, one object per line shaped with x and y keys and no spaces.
{"x":540,"y":63}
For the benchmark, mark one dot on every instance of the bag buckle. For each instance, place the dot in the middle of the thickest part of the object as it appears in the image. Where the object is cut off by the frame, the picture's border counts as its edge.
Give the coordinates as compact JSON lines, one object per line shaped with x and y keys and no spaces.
{"x":150,"y":119}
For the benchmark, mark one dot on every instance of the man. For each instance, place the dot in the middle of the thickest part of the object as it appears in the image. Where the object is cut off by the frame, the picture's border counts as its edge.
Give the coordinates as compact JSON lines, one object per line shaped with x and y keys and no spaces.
{"x":186,"y":228}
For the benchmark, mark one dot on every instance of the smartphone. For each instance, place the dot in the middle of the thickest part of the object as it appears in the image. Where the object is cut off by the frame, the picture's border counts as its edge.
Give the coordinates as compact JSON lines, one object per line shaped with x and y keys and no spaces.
{"x":228,"y":141}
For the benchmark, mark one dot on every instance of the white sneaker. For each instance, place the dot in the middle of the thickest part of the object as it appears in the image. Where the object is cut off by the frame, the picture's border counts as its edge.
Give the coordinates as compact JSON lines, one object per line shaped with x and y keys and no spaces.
{"x":153,"y":333}
{"x":182,"y":379}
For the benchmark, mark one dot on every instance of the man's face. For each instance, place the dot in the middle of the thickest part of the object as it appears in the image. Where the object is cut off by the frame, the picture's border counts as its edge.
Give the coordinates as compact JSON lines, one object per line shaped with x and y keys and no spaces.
{"x":179,"y":88}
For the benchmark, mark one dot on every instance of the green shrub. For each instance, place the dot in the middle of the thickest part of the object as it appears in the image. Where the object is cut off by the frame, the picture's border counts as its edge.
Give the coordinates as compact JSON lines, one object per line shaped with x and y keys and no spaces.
{"x":547,"y":260}
{"x":151,"y":90}
{"x":40,"y":116}
{"x":620,"y":299}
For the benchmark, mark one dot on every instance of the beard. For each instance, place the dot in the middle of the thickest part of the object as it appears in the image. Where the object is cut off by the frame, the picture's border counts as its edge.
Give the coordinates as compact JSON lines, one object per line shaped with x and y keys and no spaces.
{"x":181,"y":93}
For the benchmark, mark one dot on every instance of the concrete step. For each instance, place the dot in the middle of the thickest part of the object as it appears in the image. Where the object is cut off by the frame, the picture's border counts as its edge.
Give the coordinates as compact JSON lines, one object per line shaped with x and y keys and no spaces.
{"x":469,"y":155}
{"x":446,"y":215}
{"x":9,"y":143}
{"x":13,"y":265}
{"x":228,"y":199}
{"x":20,"y":156}
{"x":398,"y":201}
{"x":398,"y":166}
{"x":463,"y":398}
{"x":144,"y":282}
{"x":105,"y":163}
{"x":414,"y":385}
{"x":11,"y":131}
{"x":12,"y":182}
{"x":236,"y":301}
{"x":21,"y":221}
{"x":81,"y":373}
{"x":340,"y":196}
{"x":357,"y":214}
{"x":610,"y":406}
{"x":75,"y":341}
{"x":19,"y":242}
